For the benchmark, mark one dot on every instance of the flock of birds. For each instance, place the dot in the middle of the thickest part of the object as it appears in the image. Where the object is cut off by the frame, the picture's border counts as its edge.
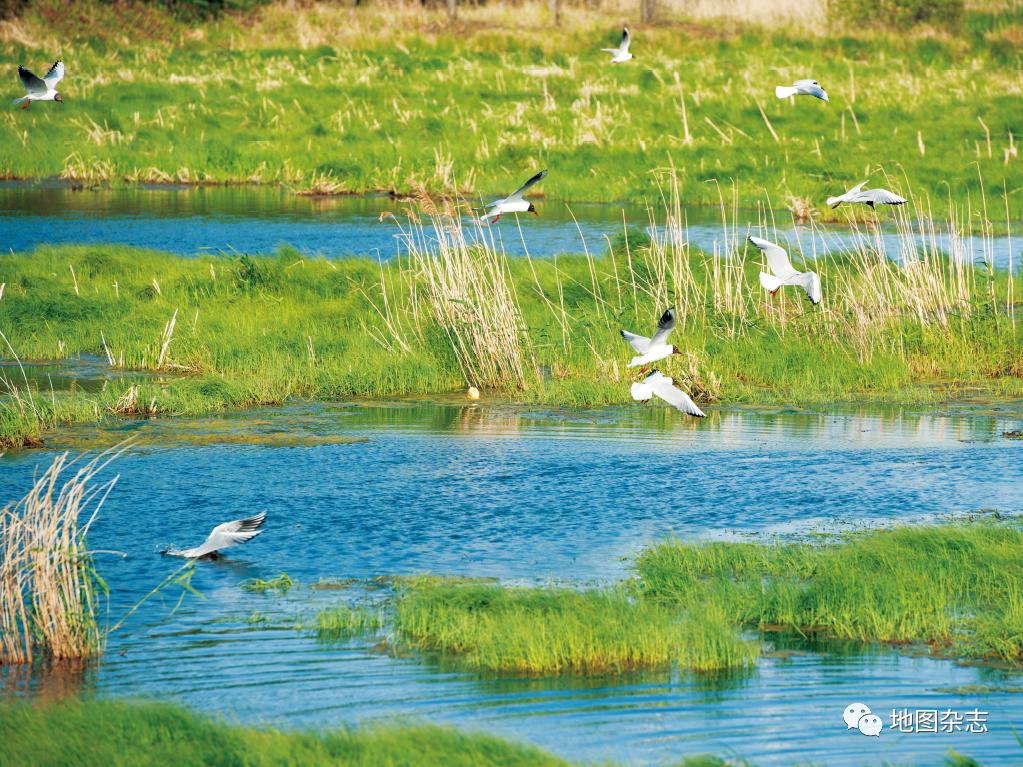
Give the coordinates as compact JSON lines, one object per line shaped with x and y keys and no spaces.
{"x":648,"y":350}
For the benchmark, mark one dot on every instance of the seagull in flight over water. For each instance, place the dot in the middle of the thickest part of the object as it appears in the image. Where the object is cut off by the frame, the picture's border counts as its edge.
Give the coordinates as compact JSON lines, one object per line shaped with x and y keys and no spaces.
{"x":783,"y":273}
{"x":652,"y":349}
{"x":621,"y":53}
{"x":224,"y":536}
{"x":515,"y":202}
{"x":44,"y":89}
{"x":661,"y":386}
{"x":869,"y":197}
{"x":801,"y":88}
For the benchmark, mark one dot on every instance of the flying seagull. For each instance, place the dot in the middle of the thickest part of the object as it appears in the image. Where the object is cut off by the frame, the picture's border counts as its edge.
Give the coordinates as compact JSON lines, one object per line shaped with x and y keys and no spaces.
{"x":801,"y":88}
{"x":657,"y":385}
{"x":224,"y":537}
{"x":869,"y":197}
{"x":778,"y":262}
{"x":44,"y":89}
{"x":652,"y":349}
{"x":515,"y":202}
{"x":621,"y":53}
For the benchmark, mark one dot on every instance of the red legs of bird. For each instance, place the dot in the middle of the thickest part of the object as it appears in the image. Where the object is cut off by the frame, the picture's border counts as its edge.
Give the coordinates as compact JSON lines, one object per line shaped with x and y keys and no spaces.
{"x":25,"y":105}
{"x":497,"y":218}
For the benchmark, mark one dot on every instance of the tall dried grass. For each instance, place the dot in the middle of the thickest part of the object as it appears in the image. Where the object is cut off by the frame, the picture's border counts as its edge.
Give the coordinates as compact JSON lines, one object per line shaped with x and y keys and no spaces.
{"x":49,"y":587}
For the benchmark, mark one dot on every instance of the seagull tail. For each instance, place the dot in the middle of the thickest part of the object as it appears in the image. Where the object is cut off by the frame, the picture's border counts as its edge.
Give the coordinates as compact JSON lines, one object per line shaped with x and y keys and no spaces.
{"x":769,"y":282}
{"x":20,"y":101}
{"x":784,"y":91}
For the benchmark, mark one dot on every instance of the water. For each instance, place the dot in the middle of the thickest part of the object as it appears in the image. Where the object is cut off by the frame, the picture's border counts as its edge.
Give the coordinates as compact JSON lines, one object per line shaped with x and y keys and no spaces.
{"x":529,"y":496}
{"x":189,"y":221}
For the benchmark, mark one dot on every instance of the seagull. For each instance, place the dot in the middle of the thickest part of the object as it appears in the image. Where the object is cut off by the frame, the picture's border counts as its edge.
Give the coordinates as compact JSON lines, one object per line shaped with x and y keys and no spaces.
{"x":869,"y":197}
{"x":621,"y":53}
{"x":663,"y":387}
{"x":778,"y":262}
{"x":801,"y":88}
{"x":653,"y":349}
{"x":224,"y":537}
{"x":514,"y":203}
{"x":40,"y":90}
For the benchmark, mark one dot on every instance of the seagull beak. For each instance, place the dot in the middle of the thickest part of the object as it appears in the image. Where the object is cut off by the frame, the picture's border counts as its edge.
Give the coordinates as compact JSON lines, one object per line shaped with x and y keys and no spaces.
{"x":675,"y":350}
{"x":535,"y":213}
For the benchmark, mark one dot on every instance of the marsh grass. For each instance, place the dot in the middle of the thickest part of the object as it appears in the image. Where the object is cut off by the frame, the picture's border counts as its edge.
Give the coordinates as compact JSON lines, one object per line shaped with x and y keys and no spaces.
{"x":280,"y":584}
{"x":219,"y":332}
{"x":445,"y":107}
{"x":49,"y":587}
{"x":346,"y":622}
{"x":554,"y":631}
{"x":957,"y":587}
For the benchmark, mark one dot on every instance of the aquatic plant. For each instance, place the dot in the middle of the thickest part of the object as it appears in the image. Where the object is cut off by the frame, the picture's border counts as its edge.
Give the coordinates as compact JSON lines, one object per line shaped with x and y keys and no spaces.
{"x":49,"y":587}
{"x":344,"y":621}
{"x":281,"y":583}
{"x":552,"y":631}
{"x":957,"y":586}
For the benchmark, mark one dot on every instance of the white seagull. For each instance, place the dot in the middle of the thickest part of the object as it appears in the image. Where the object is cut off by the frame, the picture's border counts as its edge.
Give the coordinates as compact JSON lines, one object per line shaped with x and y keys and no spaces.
{"x":869,"y":197}
{"x":657,"y":385}
{"x":778,"y":262}
{"x":621,"y":53}
{"x":44,"y":89}
{"x":224,"y":537}
{"x":653,"y":349}
{"x":801,"y":88}
{"x":513,"y":203}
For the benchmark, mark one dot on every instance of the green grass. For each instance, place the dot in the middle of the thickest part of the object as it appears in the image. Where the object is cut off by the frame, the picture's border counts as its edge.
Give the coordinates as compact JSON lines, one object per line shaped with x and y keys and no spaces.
{"x":280,"y":583}
{"x":956,"y":587}
{"x":346,"y":622}
{"x":130,"y":734}
{"x":390,"y":99}
{"x":260,"y":330}
{"x":554,"y":631}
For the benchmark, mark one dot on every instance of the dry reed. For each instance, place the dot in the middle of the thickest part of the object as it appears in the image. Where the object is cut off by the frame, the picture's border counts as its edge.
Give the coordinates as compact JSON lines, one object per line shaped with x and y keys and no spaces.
{"x":48,"y":585}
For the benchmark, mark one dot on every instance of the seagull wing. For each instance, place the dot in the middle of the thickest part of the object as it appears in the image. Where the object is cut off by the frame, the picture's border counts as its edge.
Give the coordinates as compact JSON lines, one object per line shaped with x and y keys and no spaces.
{"x":777,"y":258}
{"x":232,"y":533}
{"x":32,"y":83}
{"x":639,"y":343}
{"x":663,"y":387}
{"x":494,"y":204}
{"x":517,"y":194}
{"x":811,"y":283}
{"x":880,"y":197}
{"x":664,"y":327}
{"x":55,"y":75}
{"x":626,"y":40}
{"x":856,"y":189}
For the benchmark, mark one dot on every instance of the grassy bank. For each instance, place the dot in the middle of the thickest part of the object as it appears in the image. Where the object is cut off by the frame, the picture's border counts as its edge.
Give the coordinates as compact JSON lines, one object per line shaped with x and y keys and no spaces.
{"x":954,"y":588}
{"x":218,"y":332}
{"x":394,"y":97}
{"x":109,"y":734}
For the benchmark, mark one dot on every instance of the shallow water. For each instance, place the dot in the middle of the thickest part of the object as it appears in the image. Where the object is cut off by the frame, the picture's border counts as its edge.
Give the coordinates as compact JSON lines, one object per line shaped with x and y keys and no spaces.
{"x":530,"y":496}
{"x":189,"y":221}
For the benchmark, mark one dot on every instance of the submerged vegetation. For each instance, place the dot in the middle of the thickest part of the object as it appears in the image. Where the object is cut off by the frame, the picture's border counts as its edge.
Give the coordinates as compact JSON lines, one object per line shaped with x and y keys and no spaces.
{"x":219,"y":332}
{"x":255,"y":98}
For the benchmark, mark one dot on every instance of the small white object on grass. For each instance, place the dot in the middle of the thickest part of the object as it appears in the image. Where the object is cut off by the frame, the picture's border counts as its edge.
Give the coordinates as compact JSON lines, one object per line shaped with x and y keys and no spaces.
{"x":661,"y":386}
{"x":801,"y":88}
{"x":784,"y":274}
{"x":224,"y":536}
{"x":620,"y":54}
